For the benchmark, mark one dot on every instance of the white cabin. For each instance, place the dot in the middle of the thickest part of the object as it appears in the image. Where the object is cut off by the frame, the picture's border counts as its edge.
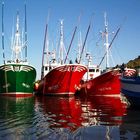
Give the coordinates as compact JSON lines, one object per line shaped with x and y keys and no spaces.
{"x":92,"y":70}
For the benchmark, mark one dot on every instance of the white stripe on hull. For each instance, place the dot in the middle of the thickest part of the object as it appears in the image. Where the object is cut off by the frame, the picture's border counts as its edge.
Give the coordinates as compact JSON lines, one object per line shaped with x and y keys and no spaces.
{"x":15,"y":93}
{"x":61,"y":93}
{"x":108,"y":95}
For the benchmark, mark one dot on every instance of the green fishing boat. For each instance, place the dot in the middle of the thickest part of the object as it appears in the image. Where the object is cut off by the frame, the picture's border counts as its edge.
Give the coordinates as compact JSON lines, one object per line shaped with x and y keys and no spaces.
{"x":16,"y":75}
{"x":17,"y":80}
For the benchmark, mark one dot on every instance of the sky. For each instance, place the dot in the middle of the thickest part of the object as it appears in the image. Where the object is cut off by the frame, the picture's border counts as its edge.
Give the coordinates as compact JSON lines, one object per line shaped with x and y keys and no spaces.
{"x":120,"y":13}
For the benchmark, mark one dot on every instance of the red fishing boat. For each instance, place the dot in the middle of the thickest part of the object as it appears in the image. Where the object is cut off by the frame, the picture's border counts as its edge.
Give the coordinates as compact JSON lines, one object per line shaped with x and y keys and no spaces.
{"x":106,"y":84}
{"x":62,"y":80}
{"x":97,"y":82}
{"x":59,"y":78}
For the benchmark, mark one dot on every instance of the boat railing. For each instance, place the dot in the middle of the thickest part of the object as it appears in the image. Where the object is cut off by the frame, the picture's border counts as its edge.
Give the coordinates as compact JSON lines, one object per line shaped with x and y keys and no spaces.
{"x":129,"y":73}
{"x":17,"y":62}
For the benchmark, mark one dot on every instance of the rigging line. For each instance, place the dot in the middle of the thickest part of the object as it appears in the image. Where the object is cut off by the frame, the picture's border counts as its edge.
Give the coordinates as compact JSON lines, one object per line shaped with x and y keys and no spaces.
{"x":70,"y":44}
{"x":110,"y":45}
{"x":3,"y":32}
{"x":85,"y":39}
{"x":79,"y":18}
{"x":84,"y":43}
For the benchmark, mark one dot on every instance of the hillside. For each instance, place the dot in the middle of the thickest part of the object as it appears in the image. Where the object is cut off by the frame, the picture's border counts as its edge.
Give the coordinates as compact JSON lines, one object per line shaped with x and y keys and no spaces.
{"x":134,"y":63}
{"x":131,"y":64}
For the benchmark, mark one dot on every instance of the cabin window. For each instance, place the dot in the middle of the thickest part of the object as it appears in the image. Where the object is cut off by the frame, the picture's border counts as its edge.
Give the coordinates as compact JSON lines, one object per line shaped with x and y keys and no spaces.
{"x":46,"y":68}
{"x":97,"y":70}
{"x":50,"y":68}
{"x":53,"y":60}
{"x":91,"y":70}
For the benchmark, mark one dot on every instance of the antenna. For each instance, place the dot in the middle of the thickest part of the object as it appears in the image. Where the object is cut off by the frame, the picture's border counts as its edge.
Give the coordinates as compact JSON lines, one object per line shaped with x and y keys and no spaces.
{"x":105,"y":18}
{"x":3,"y":32}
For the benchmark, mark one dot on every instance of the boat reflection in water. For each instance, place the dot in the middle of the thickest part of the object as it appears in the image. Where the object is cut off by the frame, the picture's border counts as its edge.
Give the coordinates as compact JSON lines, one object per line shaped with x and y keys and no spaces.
{"x":49,"y":117}
{"x":61,"y":111}
{"x":16,"y":116}
{"x":106,"y":110}
{"x":78,"y":117}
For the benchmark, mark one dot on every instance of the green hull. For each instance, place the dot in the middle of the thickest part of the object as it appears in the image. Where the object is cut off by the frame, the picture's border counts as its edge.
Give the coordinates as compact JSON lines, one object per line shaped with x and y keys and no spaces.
{"x":17,"y":80}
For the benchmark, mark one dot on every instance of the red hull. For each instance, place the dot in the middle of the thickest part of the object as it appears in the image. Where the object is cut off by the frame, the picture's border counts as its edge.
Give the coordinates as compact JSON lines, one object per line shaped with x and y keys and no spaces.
{"x":62,"y":80}
{"x":107,"y":83}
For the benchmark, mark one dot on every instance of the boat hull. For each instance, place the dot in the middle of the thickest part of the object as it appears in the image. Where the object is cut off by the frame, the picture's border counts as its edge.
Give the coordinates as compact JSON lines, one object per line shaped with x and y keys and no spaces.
{"x":16,"y":80}
{"x":106,"y":84}
{"x":62,"y":80}
{"x":130,"y":88}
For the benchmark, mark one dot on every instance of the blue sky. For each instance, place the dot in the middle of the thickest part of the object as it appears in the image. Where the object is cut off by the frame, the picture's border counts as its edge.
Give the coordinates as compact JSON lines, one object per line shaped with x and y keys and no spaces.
{"x":119,"y":12}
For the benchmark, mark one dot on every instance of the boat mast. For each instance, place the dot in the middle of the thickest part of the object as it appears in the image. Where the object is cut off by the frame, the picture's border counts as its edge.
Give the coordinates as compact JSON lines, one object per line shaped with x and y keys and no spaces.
{"x":106,"y":40}
{"x":25,"y":35}
{"x":17,"y":42}
{"x":61,"y":49}
{"x":109,"y":45}
{"x":45,"y":52}
{"x":79,"y":46}
{"x":45,"y":49}
{"x":3,"y":32}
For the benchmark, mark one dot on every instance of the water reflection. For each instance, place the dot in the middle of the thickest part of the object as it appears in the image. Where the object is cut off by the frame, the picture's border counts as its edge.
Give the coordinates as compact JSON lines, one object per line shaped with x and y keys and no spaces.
{"x":77,"y":117}
{"x":67,"y":118}
{"x":107,"y":110}
{"x":15,"y":117}
{"x":130,"y":128}
{"x":61,"y":111}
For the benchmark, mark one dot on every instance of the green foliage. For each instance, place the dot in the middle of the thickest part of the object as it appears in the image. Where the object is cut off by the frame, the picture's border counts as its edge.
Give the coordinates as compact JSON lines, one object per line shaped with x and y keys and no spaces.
{"x":134,"y":63}
{"x":131,"y":64}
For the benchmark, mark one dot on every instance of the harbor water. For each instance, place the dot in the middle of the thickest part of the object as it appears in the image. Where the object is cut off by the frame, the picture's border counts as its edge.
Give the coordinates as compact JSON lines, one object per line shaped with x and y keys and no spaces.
{"x":68,"y":118}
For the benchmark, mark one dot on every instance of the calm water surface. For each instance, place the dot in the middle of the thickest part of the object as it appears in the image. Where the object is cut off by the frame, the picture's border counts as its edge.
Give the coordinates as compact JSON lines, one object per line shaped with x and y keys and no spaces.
{"x":68,"y":118}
